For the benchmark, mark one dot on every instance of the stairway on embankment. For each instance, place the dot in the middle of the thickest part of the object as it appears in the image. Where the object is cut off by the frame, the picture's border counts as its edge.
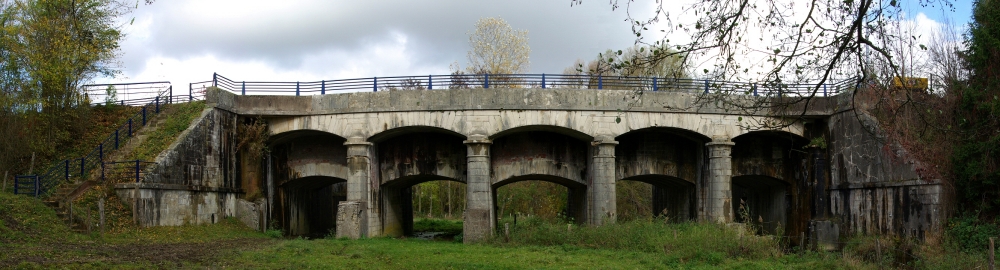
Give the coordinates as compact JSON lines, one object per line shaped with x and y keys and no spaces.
{"x":61,"y":199}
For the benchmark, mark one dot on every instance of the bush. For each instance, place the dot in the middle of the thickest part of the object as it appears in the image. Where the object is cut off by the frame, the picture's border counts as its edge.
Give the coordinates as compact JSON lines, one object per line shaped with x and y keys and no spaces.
{"x":704,"y":242}
{"x":972,"y":234}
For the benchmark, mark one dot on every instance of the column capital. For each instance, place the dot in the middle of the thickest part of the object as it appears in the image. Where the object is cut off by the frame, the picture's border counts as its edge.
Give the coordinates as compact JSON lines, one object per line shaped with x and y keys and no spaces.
{"x":478,"y":139}
{"x":720,"y":143}
{"x":355,"y":141}
{"x":603,"y":142}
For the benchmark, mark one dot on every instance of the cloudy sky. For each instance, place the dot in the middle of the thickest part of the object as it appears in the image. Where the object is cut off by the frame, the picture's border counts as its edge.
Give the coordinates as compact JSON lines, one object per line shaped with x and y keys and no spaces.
{"x":185,"y":41}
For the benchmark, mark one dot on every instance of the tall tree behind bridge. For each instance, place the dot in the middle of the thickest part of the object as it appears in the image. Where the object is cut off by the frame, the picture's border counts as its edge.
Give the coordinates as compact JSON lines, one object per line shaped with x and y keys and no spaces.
{"x":497,"y":48}
{"x":977,"y":158}
{"x":48,"y":49}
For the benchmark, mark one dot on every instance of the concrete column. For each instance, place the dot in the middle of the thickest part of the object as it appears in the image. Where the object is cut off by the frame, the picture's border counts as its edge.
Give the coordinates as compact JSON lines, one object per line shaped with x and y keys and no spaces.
{"x":360,"y":192}
{"x":479,"y":216}
{"x":601,"y":189}
{"x":719,"y":201}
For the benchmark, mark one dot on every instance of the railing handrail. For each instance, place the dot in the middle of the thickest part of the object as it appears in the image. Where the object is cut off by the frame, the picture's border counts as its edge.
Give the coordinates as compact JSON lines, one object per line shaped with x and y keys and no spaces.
{"x":543,"y":80}
{"x":62,"y":169}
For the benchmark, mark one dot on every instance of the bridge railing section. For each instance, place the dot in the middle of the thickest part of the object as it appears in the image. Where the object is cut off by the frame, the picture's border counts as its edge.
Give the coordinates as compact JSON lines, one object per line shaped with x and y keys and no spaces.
{"x":64,"y":170}
{"x":466,"y":81}
{"x":128,"y":171}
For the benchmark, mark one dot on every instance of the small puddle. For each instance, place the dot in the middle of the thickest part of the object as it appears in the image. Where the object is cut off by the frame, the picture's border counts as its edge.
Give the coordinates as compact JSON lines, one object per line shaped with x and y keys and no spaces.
{"x":434,"y":236}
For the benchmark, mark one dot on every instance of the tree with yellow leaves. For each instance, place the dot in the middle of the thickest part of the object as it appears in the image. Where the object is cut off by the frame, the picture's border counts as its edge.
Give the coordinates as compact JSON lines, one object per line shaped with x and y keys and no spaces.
{"x":497,"y":48}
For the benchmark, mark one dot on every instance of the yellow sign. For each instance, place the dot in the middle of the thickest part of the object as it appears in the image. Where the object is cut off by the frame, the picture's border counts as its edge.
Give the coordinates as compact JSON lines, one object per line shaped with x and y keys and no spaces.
{"x":909,"y":82}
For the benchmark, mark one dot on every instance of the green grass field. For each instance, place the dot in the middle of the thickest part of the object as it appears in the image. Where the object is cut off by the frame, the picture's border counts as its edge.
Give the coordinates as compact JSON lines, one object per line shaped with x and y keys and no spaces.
{"x":32,"y":237}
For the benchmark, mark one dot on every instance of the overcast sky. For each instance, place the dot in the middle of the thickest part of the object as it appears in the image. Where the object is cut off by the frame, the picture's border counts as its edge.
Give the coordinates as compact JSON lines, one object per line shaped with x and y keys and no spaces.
{"x":184,"y":41}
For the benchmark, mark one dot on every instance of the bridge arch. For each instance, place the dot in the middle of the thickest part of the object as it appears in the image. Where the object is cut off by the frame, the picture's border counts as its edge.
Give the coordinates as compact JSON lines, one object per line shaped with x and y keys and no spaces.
{"x":397,"y":202}
{"x":389,"y":133}
{"x":766,"y":202}
{"x":308,"y":205}
{"x":567,"y":131}
{"x":540,"y":150}
{"x":775,"y":154}
{"x":576,"y":194}
{"x":283,"y":126}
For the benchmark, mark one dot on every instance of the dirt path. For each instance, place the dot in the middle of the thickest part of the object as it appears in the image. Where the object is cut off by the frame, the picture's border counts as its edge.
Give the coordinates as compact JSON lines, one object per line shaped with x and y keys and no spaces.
{"x":163,"y":255}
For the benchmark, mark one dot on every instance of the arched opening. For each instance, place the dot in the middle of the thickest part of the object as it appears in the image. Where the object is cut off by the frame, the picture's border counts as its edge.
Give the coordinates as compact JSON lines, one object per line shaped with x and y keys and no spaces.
{"x":421,"y":167}
{"x":309,"y":205}
{"x":658,"y":167}
{"x":547,"y":197}
{"x":424,"y":206}
{"x":762,"y":201}
{"x":308,"y":170}
{"x":652,"y":195}
{"x":766,"y":167}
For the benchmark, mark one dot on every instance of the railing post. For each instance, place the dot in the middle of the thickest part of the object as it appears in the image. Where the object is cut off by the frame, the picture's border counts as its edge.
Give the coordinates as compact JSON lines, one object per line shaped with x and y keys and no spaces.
{"x":157,"y":104}
{"x":243,"y":88}
{"x":37,"y":186}
{"x":170,"y":97}
{"x":190,"y":92}
{"x":322,"y":87}
{"x":215,"y":80}
{"x":374,"y":84}
{"x":655,"y":87}
{"x":123,"y":102}
{"x":600,"y":82}
{"x":15,"y":184}
{"x":100,"y":152}
{"x":824,"y":90}
{"x":706,"y":86}
{"x":137,"y":171}
{"x":755,"y":89}
{"x":486,"y":80}
{"x":296,"y":89}
{"x":67,"y":170}
{"x":116,"y":139}
{"x":430,"y":82}
{"x":144,"y":115}
{"x":83,"y":161}
{"x":543,"y":80}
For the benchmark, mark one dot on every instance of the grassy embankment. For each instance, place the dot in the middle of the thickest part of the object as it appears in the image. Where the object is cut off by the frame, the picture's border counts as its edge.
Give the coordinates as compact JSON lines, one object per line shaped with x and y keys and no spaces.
{"x":104,"y":119}
{"x":31,"y":237}
{"x":118,"y":216}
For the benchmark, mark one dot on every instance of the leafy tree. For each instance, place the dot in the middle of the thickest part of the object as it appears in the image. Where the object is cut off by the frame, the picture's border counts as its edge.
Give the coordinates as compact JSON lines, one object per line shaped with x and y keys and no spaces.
{"x":977,"y":158}
{"x":497,"y":48}
{"x":814,"y":41}
{"x":48,"y":49}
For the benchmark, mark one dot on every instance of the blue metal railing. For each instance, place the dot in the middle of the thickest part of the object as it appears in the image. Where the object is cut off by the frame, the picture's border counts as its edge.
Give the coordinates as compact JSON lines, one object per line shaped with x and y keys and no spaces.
{"x":125,"y":171}
{"x":463,"y":81}
{"x":63,"y":170}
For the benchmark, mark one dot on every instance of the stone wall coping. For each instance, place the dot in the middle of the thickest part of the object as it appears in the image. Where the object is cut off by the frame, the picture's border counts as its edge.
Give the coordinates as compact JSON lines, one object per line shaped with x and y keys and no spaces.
{"x":161,"y":186}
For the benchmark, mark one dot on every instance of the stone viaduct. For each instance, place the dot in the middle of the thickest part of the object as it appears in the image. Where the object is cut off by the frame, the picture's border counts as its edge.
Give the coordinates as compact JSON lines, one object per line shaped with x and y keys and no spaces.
{"x":347,"y":161}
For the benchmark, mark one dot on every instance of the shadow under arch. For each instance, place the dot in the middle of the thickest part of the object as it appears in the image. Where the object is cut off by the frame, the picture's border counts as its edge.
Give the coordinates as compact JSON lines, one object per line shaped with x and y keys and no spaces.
{"x":660,"y":151}
{"x":682,"y":132}
{"x":766,"y":202}
{"x":397,"y":202}
{"x":672,"y":197}
{"x":309,"y":205}
{"x":772,"y":153}
{"x":576,"y":197}
{"x":292,"y":135}
{"x":576,"y":134}
{"x":400,"y":131}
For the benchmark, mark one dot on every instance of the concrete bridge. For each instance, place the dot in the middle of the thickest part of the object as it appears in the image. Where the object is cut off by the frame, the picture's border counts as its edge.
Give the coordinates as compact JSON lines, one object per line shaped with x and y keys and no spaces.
{"x":348,"y":161}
